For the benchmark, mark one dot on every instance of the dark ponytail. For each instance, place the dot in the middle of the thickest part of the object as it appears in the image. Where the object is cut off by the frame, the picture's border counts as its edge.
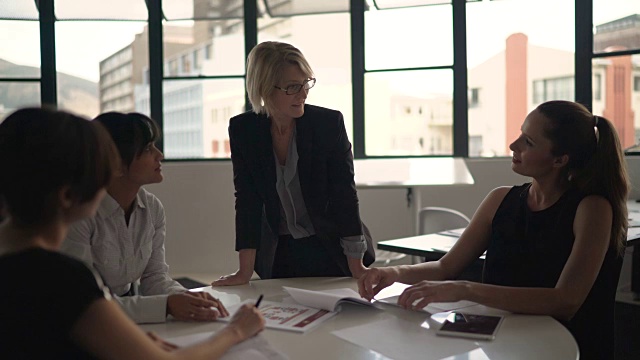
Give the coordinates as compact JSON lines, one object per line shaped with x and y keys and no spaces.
{"x":596,"y":162}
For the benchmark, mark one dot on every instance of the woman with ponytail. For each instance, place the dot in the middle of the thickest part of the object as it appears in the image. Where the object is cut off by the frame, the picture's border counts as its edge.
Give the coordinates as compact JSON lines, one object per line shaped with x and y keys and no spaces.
{"x":554,"y":245}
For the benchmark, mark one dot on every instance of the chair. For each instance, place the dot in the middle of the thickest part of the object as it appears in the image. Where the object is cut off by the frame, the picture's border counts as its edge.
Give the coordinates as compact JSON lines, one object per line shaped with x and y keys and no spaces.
{"x":433,"y":219}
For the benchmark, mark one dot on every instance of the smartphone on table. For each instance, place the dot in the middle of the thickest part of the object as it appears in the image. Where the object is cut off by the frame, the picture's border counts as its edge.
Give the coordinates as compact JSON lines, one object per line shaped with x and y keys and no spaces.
{"x":472,"y":326}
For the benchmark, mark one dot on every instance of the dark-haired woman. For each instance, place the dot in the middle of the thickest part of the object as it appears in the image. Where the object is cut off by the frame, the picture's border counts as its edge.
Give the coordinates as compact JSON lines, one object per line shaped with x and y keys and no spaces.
{"x":54,"y":168}
{"x":553,"y":245}
{"x":124,"y":242}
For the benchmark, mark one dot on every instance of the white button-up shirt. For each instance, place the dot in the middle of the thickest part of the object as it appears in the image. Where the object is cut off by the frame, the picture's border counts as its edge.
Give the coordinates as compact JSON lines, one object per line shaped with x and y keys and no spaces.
{"x":123,"y":254}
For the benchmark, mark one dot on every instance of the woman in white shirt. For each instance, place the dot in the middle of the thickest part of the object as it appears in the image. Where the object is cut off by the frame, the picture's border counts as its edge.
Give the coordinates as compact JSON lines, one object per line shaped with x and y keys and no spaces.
{"x":124,"y":242}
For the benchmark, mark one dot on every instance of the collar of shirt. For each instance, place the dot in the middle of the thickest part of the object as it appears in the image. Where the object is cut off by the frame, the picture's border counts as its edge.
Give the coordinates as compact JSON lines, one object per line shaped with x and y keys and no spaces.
{"x":109,"y":205}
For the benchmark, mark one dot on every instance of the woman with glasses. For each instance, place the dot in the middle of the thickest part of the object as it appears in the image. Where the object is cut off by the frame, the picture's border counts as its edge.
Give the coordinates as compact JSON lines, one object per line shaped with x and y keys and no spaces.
{"x":297,"y":209}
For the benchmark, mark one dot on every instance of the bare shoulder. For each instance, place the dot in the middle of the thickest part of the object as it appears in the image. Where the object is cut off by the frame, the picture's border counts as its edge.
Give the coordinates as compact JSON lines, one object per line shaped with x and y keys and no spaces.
{"x":594,"y":205}
{"x":490,"y":204}
{"x":496,"y":195}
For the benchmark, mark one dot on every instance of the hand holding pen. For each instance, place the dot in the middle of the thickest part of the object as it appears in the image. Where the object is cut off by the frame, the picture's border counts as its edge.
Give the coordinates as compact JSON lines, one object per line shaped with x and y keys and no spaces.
{"x":248,"y":320}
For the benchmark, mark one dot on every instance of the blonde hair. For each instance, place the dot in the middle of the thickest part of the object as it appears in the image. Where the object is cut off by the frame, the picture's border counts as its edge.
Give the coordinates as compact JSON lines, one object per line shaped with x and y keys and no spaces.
{"x":265,"y":68}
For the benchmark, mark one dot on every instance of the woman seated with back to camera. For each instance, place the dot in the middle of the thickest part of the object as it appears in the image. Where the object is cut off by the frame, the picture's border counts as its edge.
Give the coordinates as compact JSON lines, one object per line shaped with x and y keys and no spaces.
{"x":554,"y":246}
{"x":54,"y":170}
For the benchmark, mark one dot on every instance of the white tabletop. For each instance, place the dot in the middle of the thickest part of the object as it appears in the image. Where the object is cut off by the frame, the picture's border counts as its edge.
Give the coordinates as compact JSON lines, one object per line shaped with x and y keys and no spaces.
{"x":411,"y":172}
{"x":520,"y":336}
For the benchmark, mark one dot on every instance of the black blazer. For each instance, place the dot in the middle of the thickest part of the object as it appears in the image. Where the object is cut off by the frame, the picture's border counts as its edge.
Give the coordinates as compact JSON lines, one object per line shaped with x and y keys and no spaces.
{"x":325,"y":168}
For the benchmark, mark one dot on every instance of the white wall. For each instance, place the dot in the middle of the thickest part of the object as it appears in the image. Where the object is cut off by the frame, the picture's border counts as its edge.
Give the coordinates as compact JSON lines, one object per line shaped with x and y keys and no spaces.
{"x":199,"y":204}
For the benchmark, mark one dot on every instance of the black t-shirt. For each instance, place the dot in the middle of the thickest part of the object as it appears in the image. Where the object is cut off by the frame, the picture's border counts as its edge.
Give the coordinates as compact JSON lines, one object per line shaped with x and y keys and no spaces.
{"x":44,"y":294}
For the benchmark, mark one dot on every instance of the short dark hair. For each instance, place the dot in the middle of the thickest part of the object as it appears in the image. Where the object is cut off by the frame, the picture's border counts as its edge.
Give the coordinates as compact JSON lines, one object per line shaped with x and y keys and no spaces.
{"x":131,"y":133}
{"x":43,"y":150}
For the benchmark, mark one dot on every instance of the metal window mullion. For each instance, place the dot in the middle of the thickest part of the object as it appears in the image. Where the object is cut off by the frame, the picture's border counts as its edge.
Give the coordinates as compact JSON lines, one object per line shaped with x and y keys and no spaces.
{"x":250,"y":37}
{"x":356,"y":12}
{"x":156,"y":69}
{"x":460,"y":97}
{"x":48,"y":78}
{"x":584,"y":52}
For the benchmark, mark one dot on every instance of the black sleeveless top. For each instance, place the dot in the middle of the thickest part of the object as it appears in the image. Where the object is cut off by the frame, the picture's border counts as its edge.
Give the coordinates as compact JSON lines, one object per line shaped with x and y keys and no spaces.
{"x":530,"y":248}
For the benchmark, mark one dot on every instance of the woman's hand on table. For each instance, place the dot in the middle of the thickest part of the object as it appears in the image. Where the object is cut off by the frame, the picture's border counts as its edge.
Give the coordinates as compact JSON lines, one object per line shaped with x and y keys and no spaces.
{"x":425,"y":292}
{"x":375,"y":279}
{"x":237,"y":278}
{"x":195,"y":306}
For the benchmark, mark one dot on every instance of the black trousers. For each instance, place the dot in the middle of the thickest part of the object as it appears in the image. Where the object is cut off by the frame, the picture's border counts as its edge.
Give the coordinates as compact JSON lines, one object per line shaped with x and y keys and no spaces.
{"x":305,"y":257}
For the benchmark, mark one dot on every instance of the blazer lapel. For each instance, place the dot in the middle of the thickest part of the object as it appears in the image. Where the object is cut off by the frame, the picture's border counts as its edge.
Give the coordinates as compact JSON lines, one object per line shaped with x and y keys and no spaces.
{"x":304,"y":142}
{"x":265,"y":151}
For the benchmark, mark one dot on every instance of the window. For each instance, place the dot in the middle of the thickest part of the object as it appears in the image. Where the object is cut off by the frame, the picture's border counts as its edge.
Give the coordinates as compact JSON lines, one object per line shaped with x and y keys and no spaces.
{"x":407,"y":60}
{"x":409,"y":87}
{"x":204,"y":51}
{"x":597,"y":85}
{"x":330,"y":60}
{"x":618,"y":102}
{"x":553,"y":89}
{"x":517,"y":63}
{"x":19,"y":65}
{"x":474,"y":97}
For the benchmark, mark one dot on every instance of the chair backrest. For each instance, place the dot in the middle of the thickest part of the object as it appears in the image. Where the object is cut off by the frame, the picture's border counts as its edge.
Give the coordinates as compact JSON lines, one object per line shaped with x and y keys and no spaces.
{"x":434,"y":219}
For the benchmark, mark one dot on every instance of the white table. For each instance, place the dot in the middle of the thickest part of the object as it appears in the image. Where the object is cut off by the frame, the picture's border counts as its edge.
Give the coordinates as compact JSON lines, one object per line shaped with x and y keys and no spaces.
{"x":520,"y":336}
{"x":411,"y":173}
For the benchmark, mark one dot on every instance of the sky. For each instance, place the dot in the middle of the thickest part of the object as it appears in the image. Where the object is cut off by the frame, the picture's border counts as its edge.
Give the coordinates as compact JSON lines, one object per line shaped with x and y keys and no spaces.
{"x":402,"y":37}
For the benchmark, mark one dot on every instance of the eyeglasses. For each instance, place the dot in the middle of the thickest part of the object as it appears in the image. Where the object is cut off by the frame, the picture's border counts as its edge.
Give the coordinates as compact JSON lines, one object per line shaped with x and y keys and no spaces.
{"x":295,"y":88}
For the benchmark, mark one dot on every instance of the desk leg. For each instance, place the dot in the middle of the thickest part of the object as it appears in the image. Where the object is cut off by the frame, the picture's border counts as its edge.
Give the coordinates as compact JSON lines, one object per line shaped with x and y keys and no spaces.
{"x":416,"y":205}
{"x":635,"y":272}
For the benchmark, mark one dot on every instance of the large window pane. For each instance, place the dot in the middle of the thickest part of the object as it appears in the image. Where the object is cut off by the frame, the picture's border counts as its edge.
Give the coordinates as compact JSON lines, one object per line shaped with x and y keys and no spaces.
{"x":411,"y":37}
{"x":18,"y":9}
{"x":409,"y":113}
{"x":15,"y":95}
{"x":330,"y":60}
{"x":617,"y":25}
{"x":100,"y":9}
{"x":515,"y":64}
{"x":203,"y":47}
{"x":100,"y":64}
{"x":196,"y":116}
{"x":20,"y":50}
{"x":616,"y":96}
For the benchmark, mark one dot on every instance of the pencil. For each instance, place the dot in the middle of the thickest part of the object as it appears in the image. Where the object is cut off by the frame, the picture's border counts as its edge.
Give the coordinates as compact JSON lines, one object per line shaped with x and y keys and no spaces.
{"x":259,"y":300}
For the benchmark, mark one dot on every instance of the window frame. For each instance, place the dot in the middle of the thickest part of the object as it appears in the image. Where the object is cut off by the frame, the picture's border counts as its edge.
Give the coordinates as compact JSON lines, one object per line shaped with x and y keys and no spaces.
{"x":583,"y":77}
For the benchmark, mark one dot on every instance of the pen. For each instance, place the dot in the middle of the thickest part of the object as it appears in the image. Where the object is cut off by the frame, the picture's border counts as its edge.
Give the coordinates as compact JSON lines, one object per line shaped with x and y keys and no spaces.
{"x":259,"y":300}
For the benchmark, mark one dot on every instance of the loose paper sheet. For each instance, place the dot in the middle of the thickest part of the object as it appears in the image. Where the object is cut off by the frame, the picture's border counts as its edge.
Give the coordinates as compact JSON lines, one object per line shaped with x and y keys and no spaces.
{"x":255,"y":348}
{"x":399,"y":339}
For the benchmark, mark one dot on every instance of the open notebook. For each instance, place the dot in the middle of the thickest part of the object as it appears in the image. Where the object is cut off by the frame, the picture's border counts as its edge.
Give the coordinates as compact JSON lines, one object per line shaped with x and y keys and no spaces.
{"x":307,"y":310}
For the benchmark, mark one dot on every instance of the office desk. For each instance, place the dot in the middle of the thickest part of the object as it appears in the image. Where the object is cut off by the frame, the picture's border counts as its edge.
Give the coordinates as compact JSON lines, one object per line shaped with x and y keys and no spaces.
{"x":411,"y":173}
{"x":520,"y":336}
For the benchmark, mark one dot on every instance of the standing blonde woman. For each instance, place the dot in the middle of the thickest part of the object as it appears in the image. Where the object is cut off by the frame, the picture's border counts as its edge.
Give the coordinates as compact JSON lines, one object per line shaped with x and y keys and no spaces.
{"x":297,"y":208}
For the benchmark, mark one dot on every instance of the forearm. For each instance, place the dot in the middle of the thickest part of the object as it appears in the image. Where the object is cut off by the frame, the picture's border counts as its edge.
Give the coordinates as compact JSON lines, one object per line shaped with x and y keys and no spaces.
{"x":536,"y":301}
{"x":214,"y":348}
{"x":144,"y":309}
{"x":247,"y":259}
{"x":411,"y":274}
{"x":355,"y":266}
